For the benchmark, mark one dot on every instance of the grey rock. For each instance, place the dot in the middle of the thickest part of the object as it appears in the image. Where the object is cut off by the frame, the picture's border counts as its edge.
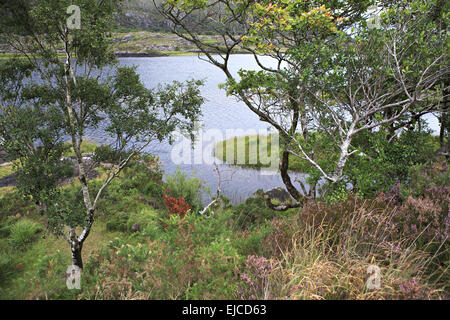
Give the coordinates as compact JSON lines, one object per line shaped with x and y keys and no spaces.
{"x":279,"y":194}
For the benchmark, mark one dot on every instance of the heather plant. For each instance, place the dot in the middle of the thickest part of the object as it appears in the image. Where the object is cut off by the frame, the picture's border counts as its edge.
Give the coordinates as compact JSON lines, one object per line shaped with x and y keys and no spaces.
{"x":411,"y":289}
{"x":256,"y":279}
{"x":421,"y":209}
{"x":329,"y":255}
{"x":432,"y":179}
{"x":426,"y":219}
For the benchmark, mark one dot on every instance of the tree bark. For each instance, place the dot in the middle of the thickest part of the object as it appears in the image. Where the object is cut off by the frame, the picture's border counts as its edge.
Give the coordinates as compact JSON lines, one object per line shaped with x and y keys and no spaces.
{"x":284,"y":164}
{"x":76,"y":248}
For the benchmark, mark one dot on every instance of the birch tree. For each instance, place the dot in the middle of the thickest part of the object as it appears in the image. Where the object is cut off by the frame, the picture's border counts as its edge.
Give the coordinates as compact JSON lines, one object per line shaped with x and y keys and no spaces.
{"x":65,"y":82}
{"x":331,"y":73}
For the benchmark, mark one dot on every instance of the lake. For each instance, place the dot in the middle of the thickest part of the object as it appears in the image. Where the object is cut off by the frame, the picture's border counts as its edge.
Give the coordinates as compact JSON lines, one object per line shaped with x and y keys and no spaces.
{"x":220,"y":113}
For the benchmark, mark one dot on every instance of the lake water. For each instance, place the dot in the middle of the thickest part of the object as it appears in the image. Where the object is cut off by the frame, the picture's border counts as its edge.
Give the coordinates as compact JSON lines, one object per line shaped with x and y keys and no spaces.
{"x":220,"y":113}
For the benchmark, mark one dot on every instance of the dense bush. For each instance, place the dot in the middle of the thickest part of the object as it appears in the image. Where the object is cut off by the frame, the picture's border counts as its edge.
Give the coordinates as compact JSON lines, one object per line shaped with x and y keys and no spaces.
{"x":176,"y":206}
{"x":23,"y":233}
{"x":180,"y":186}
{"x":382,"y":163}
{"x":253,"y":212}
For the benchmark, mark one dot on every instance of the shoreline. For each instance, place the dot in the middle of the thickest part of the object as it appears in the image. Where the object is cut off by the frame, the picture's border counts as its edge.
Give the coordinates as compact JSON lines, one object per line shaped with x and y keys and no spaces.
{"x":162,"y":54}
{"x":144,"y":44}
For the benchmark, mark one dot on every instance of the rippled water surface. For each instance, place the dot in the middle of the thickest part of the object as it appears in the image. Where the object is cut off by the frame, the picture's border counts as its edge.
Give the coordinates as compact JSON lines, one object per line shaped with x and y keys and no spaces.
{"x":219,"y":112}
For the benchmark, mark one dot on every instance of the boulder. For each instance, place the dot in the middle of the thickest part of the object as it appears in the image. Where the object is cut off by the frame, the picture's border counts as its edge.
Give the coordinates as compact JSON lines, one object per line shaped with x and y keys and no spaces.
{"x":279,"y":194}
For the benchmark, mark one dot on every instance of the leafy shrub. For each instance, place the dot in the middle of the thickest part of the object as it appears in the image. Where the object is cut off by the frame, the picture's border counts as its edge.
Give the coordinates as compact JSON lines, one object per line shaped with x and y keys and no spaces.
{"x":336,"y":192}
{"x":217,"y":270}
{"x":179,"y":186}
{"x":251,"y":242}
{"x":176,"y":206}
{"x":253,"y":212}
{"x":151,"y":188}
{"x":23,"y":233}
{"x":383,"y":162}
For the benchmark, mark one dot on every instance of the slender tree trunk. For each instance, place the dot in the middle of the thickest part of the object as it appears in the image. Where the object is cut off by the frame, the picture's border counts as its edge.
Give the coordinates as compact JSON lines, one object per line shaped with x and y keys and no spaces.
{"x":444,"y":120}
{"x":284,"y":165}
{"x":76,"y":248}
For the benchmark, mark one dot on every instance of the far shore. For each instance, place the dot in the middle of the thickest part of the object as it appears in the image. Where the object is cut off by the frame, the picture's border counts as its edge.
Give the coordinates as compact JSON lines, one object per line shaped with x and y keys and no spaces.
{"x":145,"y":44}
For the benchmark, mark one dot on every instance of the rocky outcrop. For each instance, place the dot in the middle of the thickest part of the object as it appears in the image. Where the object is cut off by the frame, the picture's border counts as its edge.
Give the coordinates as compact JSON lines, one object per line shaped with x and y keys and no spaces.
{"x":9,"y":181}
{"x":279,"y":194}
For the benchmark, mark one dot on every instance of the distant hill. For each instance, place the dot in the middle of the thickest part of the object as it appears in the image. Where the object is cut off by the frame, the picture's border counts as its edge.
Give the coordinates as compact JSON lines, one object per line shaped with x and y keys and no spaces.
{"x":138,"y":15}
{"x":141,"y":15}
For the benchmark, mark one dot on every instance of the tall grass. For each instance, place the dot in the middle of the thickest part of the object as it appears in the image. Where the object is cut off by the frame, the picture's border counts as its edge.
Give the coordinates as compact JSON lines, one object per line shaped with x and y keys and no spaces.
{"x":332,"y":247}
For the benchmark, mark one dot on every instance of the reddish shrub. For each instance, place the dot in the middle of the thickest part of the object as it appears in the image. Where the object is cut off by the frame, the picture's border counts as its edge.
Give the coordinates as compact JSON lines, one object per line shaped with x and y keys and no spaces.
{"x":177,"y":206}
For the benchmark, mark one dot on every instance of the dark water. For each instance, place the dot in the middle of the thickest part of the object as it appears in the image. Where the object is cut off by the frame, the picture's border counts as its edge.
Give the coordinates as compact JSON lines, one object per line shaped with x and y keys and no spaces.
{"x":219,"y":113}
